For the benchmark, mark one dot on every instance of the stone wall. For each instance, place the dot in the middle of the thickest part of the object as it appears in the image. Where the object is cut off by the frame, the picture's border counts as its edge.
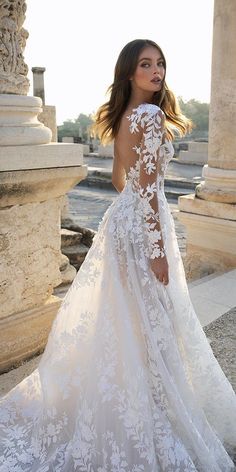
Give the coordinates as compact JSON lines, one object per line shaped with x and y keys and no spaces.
{"x":197,"y":153}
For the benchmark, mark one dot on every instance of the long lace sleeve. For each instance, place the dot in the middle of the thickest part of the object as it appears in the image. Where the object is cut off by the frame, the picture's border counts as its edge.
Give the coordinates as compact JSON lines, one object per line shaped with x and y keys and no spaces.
{"x":151,"y":172}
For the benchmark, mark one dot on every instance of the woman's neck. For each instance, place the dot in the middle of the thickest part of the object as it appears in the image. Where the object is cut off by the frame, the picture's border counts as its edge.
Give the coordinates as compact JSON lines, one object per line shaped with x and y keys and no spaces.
{"x":138,"y":98}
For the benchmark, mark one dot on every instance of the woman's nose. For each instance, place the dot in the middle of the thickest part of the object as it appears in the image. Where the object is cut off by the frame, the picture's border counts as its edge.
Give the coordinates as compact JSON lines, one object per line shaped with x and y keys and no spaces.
{"x":157,"y":69}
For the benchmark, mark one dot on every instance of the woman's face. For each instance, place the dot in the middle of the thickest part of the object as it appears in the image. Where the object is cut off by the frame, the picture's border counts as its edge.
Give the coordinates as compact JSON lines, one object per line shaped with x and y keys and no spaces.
{"x":150,"y":72}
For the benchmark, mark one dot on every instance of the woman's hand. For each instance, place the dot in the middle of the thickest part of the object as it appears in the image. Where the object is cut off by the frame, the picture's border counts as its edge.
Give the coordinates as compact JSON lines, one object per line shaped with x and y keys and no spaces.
{"x":160,"y":268}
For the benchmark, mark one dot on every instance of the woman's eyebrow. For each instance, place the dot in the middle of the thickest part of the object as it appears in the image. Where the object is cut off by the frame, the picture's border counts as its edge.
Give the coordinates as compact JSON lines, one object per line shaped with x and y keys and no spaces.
{"x":149,"y":59}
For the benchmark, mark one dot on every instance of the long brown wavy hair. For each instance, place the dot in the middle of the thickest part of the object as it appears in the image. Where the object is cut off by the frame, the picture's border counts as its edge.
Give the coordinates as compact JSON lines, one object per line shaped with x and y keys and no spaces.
{"x":108,"y":116}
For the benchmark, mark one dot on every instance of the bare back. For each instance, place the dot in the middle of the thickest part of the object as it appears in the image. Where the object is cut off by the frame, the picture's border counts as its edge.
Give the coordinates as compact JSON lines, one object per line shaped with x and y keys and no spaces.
{"x":124,"y":143}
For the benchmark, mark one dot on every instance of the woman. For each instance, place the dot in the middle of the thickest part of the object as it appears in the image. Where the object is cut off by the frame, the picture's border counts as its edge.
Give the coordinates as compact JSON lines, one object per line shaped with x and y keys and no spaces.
{"x":128,"y":381}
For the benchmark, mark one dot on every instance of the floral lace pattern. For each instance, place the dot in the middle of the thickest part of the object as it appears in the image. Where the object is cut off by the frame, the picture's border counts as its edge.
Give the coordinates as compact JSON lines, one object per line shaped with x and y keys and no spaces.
{"x":128,"y":381}
{"x":148,"y":174}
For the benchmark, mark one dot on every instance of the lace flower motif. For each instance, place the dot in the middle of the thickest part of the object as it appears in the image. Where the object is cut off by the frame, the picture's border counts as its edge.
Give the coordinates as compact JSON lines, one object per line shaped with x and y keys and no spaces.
{"x":151,"y":169}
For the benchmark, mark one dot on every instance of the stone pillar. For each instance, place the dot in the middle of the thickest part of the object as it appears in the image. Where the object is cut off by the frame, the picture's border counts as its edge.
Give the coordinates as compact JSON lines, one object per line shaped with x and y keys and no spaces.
{"x":48,"y":114}
{"x":38,"y":82}
{"x":222,"y":119}
{"x":210,"y":214}
{"x":35,"y":174}
{"x":220,"y":174}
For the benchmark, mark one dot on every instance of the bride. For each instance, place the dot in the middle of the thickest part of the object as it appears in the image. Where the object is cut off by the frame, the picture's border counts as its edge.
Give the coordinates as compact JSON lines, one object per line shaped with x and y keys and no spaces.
{"x":128,"y":381}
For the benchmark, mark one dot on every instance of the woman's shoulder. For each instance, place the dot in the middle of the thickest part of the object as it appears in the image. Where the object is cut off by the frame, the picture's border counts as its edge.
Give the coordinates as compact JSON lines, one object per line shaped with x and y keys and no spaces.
{"x":147,"y":111}
{"x":149,"y":108}
{"x":144,"y":114}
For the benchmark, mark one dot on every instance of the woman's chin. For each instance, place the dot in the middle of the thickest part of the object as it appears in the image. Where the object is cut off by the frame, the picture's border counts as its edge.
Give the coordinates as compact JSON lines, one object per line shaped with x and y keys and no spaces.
{"x":156,"y":87}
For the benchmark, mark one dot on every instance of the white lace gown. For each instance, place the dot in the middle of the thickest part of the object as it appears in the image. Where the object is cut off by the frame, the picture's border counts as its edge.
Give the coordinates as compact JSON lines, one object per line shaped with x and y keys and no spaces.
{"x":128,"y":381}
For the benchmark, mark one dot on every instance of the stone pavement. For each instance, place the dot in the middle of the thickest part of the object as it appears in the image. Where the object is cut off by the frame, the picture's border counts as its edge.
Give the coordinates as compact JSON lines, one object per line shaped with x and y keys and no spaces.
{"x":214,"y":300}
{"x":221,"y":335}
{"x":213,"y":295}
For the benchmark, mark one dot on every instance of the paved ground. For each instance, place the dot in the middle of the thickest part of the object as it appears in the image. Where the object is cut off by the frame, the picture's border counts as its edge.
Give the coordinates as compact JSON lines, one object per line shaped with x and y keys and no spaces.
{"x":221,"y":334}
{"x":213,"y":295}
{"x":88,"y":204}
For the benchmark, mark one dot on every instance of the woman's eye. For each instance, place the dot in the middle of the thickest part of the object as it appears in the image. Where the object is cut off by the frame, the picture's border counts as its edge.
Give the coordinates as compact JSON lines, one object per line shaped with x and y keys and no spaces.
{"x":146,"y":64}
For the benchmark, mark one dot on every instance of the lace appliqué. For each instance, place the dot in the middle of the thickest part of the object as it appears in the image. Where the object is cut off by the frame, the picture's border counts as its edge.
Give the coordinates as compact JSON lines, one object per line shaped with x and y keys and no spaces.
{"x":148,"y":175}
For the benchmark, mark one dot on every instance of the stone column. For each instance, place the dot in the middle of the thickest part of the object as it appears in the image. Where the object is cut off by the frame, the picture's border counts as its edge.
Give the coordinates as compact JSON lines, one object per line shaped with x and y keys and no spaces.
{"x":220,"y":174}
{"x":210,"y":214}
{"x":35,"y":175}
{"x":38,"y":82}
{"x":48,"y":114}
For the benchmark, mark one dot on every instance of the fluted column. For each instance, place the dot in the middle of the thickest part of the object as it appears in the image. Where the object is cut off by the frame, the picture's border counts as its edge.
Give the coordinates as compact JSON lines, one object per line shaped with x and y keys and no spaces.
{"x":210,"y":214}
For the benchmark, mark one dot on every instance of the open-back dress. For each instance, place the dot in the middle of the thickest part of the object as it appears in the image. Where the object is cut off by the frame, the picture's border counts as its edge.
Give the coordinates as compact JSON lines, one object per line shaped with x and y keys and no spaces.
{"x":128,"y":381}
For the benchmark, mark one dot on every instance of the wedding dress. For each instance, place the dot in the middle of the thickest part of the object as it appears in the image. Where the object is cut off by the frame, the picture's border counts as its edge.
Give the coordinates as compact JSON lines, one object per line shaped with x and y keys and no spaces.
{"x":128,"y":381}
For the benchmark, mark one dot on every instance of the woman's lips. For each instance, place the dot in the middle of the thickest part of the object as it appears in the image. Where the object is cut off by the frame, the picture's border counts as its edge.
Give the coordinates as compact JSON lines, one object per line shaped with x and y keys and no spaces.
{"x":156,"y":81}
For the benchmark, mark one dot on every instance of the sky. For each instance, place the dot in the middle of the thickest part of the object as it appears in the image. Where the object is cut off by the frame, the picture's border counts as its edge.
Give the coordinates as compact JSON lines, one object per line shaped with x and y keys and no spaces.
{"x":78,"y":42}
